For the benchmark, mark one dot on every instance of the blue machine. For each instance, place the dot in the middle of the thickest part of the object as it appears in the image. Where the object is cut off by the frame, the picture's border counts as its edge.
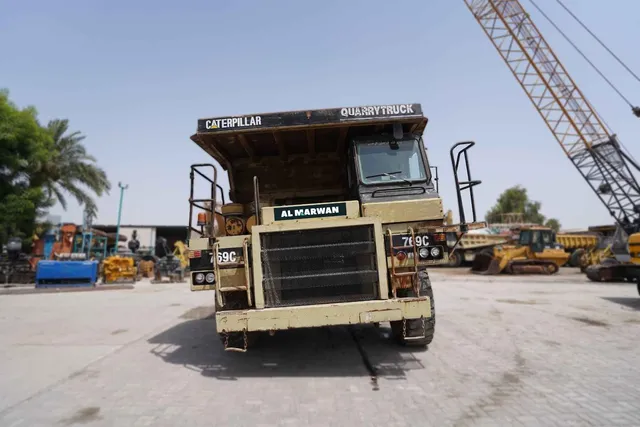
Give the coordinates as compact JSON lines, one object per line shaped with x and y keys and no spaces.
{"x":59,"y":274}
{"x":49,"y":240}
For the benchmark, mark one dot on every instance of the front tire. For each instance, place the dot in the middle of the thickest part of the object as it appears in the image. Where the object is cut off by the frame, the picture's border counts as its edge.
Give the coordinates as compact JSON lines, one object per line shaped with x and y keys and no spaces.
{"x":414,"y":327}
{"x":455,"y":259}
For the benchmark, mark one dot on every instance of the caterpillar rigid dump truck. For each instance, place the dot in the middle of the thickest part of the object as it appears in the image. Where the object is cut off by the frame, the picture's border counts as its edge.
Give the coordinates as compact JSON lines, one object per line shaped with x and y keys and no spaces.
{"x":332,"y":219}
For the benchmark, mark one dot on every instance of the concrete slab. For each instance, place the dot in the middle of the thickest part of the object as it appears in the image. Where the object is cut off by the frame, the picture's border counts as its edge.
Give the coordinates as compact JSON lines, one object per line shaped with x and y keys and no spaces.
{"x":507,"y":351}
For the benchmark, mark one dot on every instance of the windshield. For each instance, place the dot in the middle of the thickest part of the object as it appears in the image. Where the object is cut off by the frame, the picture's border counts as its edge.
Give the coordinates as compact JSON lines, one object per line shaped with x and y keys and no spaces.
{"x":380,"y":163}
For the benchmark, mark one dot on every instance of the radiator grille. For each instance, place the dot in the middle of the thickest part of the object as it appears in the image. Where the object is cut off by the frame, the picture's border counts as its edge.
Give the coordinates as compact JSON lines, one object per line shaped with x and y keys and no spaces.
{"x":319,"y":266}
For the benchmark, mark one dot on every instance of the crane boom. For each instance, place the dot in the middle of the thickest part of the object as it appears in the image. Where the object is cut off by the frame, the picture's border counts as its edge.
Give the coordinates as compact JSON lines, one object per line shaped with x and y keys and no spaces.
{"x":575,"y":124}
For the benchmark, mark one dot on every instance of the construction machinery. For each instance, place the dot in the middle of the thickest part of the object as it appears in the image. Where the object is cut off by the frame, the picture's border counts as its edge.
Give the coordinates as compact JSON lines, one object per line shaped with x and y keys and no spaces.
{"x":74,"y":271}
{"x":593,"y":247}
{"x":64,"y":244}
{"x":611,"y":269}
{"x":76,"y":259}
{"x":470,"y":245}
{"x":536,"y":252}
{"x":586,"y":140}
{"x":145,"y":268}
{"x":333,"y":219}
{"x":16,"y":267}
{"x":180,"y":251}
{"x":118,"y":268}
{"x":582,"y":248}
{"x":166,"y":264}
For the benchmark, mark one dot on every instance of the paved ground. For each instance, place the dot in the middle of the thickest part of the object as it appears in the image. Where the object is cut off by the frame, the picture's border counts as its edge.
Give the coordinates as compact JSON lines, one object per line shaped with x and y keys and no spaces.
{"x":528,"y":351}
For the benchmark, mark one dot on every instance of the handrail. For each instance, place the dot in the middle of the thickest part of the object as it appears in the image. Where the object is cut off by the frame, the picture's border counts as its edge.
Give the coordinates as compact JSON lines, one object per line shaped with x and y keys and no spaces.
{"x":247,"y":277}
{"x":195,"y":169}
{"x":216,"y":270}
{"x":256,"y":199}
{"x":463,"y":185}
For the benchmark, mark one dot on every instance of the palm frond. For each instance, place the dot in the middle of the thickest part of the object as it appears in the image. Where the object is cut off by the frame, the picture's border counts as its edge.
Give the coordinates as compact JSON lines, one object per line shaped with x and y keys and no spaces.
{"x":60,"y":196}
{"x":71,"y":169}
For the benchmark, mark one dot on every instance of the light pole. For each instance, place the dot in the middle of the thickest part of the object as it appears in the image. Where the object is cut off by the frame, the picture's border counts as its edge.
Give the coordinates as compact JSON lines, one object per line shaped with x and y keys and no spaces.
{"x":122,"y":188}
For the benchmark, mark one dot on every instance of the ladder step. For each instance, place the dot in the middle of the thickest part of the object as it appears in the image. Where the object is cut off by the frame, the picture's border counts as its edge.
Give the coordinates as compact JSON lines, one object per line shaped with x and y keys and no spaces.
{"x":404,"y":274}
{"x":233,"y":288}
{"x":402,"y":247}
{"x":231,"y":265}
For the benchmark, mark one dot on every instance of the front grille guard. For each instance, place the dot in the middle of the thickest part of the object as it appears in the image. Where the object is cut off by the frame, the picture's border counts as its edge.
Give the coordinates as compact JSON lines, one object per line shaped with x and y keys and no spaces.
{"x":319,"y":266}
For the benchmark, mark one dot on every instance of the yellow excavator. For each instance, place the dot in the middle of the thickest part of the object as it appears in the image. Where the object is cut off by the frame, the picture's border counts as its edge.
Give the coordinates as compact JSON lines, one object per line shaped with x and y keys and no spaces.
{"x":536,"y":252}
{"x":619,"y":270}
{"x":180,"y":251}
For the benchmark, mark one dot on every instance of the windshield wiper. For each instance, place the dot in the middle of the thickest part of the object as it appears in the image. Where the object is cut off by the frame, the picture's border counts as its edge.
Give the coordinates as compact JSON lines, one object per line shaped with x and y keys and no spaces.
{"x":390,"y":175}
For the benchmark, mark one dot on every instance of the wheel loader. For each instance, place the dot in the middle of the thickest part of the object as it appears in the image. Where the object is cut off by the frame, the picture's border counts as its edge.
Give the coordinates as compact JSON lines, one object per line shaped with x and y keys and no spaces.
{"x":536,"y":252}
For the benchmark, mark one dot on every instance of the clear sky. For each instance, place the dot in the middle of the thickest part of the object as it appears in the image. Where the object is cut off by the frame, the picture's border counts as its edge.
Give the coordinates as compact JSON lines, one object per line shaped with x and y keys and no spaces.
{"x":134,"y":77}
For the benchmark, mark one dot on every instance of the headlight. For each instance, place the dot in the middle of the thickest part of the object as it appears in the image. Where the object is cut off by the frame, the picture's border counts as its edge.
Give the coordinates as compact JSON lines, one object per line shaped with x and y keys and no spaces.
{"x":424,"y":252}
{"x":435,"y":252}
{"x":210,"y":277}
{"x":199,"y":278}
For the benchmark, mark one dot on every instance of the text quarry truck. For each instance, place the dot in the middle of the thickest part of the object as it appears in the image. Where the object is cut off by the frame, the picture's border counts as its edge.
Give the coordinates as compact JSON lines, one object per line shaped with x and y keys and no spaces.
{"x":329,"y":211}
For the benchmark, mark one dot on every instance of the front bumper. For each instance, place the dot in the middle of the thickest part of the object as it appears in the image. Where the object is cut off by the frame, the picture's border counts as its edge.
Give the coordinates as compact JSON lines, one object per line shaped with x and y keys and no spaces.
{"x":280,"y":318}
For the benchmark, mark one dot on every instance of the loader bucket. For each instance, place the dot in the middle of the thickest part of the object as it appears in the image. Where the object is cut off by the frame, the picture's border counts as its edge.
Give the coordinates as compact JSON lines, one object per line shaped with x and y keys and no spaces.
{"x":485,"y":264}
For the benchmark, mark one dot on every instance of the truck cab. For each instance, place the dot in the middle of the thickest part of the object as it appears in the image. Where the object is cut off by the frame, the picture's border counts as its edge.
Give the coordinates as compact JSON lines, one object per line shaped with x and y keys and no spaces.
{"x":332,"y":218}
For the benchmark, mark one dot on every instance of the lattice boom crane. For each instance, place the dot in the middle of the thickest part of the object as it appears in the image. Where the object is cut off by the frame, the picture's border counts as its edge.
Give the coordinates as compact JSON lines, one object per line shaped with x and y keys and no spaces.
{"x":582,"y":134}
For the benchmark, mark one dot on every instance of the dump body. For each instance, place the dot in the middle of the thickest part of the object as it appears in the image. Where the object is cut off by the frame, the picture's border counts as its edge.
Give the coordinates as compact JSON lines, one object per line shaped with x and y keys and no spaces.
{"x":577,"y":241}
{"x":333,"y":219}
{"x":470,"y":245}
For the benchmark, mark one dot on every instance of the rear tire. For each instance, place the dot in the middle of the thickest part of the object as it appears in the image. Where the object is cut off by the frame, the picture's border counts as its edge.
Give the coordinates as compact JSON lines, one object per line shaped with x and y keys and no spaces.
{"x":455,"y":259}
{"x":414,"y":326}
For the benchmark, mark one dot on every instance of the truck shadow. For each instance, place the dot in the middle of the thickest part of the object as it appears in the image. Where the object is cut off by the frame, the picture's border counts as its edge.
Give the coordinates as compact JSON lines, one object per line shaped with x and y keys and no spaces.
{"x":633,"y":303}
{"x":321,"y":352}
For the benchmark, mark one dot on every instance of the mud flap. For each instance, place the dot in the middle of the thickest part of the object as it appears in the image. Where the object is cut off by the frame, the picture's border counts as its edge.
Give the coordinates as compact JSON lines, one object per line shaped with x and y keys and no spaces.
{"x":485,"y":264}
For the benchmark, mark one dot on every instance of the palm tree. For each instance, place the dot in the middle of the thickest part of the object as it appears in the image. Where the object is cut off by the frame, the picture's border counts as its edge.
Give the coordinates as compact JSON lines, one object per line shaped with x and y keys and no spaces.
{"x":70,"y":169}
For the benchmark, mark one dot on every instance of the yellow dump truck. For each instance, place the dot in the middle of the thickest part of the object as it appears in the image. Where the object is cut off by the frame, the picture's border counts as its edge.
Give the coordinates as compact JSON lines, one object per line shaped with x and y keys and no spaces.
{"x":465,"y":249}
{"x":332,"y":218}
{"x":581,"y":247}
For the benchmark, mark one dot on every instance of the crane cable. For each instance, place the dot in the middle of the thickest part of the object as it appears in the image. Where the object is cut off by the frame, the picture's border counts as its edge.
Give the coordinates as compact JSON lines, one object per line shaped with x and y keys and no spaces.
{"x":599,"y":41}
{"x":636,"y":110}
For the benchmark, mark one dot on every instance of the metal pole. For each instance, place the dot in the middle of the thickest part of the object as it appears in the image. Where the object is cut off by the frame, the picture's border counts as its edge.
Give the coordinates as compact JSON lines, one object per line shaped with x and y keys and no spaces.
{"x":122,"y":188}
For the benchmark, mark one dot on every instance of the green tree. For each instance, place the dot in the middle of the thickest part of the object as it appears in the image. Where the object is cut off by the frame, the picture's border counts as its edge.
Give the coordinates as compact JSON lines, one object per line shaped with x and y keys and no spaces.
{"x":23,"y":145}
{"x":553,"y":223}
{"x":70,"y":170}
{"x":515,"y":200}
{"x":40,"y":166}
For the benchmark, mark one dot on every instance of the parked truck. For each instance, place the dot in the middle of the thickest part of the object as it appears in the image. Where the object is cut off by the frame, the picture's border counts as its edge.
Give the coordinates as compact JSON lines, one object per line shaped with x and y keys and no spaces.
{"x":332,"y":219}
{"x":463,"y":251}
